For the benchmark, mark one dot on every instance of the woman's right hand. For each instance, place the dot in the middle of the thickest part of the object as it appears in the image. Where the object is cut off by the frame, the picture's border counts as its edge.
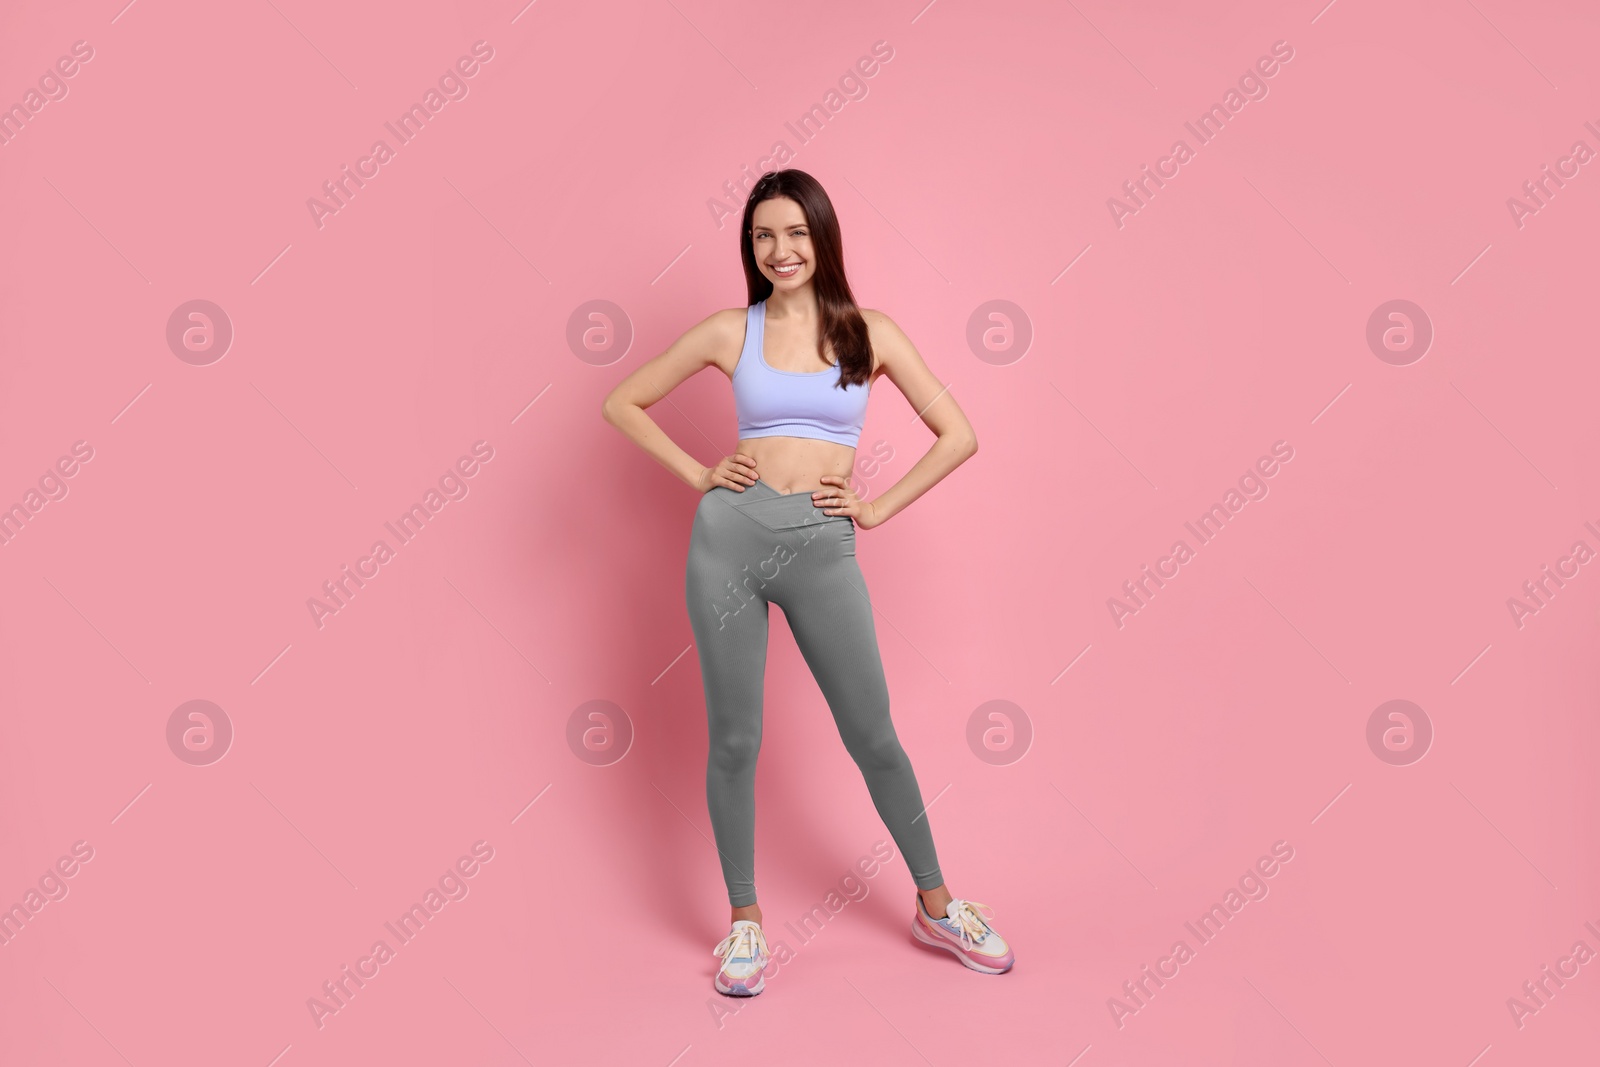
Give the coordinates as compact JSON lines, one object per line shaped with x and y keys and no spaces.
{"x":733,"y":472}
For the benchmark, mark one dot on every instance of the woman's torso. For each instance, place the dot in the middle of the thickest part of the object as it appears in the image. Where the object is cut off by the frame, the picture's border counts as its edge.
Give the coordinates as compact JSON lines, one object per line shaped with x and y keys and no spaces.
{"x":794,"y":464}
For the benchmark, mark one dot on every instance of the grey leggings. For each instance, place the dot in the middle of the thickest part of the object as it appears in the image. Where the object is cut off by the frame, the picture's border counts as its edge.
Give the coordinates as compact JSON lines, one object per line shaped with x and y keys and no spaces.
{"x":760,"y":547}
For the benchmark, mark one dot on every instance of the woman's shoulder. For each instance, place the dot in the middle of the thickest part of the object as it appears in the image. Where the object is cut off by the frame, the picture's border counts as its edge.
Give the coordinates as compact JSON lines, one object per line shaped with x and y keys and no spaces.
{"x":730,"y":319}
{"x":718,"y":339}
{"x":885,"y":337}
{"x":881,"y":327}
{"x":724,"y":324}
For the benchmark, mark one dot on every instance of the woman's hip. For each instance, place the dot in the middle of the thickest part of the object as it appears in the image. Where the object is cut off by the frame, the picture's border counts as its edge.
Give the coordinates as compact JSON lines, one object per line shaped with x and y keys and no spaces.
{"x":766,"y":532}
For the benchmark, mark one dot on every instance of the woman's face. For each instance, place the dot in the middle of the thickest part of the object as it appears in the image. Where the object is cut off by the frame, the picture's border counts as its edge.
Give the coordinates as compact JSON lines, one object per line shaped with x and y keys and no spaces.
{"x":780,"y":237}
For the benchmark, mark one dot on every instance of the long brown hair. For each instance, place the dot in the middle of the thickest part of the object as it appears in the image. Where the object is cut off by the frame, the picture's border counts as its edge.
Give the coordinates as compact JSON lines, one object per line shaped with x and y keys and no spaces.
{"x":842,"y":323}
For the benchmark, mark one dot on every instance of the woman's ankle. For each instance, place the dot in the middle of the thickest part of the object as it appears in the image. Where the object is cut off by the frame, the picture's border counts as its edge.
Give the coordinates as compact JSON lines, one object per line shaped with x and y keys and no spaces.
{"x":752,"y":912}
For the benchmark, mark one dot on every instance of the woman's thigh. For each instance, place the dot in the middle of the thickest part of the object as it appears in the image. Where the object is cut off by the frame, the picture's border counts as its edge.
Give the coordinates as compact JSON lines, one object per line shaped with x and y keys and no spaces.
{"x":830,"y":614}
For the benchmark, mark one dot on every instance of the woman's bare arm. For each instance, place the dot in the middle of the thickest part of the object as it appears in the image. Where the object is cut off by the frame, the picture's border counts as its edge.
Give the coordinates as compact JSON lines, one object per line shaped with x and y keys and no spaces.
{"x":902,"y":364}
{"x":698,"y":348}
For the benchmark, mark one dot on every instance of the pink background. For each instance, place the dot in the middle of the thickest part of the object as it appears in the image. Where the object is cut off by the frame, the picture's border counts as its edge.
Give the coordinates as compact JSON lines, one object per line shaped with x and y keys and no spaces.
{"x":433,"y":309}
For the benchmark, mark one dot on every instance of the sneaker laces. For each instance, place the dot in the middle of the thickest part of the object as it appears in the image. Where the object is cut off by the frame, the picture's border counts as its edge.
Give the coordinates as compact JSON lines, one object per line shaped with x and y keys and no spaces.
{"x":746,"y":941}
{"x":969,"y":921}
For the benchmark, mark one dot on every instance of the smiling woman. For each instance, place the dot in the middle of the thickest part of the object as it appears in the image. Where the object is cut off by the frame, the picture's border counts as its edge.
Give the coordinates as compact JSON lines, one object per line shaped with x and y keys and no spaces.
{"x":776,"y":524}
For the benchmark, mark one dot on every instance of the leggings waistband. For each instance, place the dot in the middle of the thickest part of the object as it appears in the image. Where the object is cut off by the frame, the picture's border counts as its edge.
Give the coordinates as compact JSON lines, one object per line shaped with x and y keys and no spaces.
{"x":779,"y":511}
{"x":765,"y":489}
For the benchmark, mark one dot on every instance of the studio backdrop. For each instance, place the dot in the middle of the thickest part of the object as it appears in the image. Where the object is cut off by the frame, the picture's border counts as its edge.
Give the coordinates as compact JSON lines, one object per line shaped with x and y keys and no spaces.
{"x":351,"y":708}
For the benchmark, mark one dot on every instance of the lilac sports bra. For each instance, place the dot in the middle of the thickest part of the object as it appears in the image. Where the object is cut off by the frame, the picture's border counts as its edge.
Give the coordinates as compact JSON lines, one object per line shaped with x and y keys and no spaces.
{"x":786,"y":403}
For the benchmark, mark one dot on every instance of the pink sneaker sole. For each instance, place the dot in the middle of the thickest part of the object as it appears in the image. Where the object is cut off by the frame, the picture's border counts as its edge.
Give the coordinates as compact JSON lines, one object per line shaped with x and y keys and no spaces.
{"x":741,"y":987}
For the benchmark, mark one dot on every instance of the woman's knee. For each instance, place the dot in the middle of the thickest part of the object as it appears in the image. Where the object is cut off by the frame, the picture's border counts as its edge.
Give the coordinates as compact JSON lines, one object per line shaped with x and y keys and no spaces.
{"x":876,"y":750}
{"x":735,"y":751}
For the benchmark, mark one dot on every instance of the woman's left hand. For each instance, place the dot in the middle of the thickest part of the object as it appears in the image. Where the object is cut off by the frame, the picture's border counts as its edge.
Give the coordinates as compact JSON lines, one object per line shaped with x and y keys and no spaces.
{"x":837,"y":498}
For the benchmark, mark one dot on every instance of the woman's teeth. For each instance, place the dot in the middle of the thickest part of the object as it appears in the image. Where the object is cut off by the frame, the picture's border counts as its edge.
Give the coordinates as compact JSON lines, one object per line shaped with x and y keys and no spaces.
{"x":790,"y":269}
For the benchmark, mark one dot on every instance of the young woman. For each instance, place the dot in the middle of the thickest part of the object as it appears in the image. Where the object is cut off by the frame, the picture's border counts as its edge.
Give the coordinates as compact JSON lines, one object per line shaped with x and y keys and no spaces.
{"x":777,"y":525}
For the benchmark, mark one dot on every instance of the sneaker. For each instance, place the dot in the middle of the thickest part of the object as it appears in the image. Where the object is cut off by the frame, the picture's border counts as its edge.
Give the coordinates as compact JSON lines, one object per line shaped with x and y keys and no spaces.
{"x":744,"y":960}
{"x":966,"y":934}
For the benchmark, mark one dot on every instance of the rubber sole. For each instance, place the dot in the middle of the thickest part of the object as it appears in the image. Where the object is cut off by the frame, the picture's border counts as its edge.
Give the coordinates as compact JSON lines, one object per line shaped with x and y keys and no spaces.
{"x":738,"y":990}
{"x":933,"y":942}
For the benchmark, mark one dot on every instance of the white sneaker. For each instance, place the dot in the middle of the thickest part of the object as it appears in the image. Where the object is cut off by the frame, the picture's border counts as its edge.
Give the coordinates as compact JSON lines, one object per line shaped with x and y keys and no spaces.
{"x":744,"y":960}
{"x":965,"y":933}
